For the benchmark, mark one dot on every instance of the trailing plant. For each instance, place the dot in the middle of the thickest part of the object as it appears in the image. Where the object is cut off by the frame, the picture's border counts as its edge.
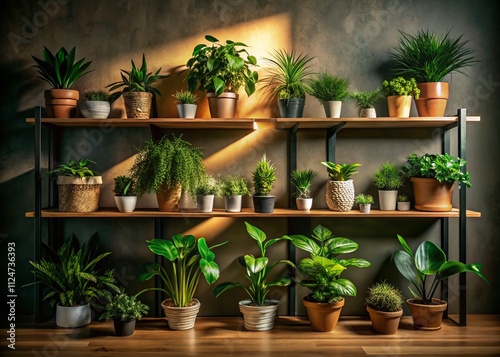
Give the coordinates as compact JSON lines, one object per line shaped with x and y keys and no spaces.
{"x":60,"y":70}
{"x":443,"y":167}
{"x":340,"y":172}
{"x":97,"y":95}
{"x":323,"y":269}
{"x":74,"y":168}
{"x":208,"y":185}
{"x":185,"y":97}
{"x":428,"y":261}
{"x":302,"y":180}
{"x":234,"y":186}
{"x":365,"y":100}
{"x":403,"y":198}
{"x":387,"y":177}
{"x":124,"y":186}
{"x":186,"y":258}
{"x":327,"y":87}
{"x":364,"y":199}
{"x":264,"y":176}
{"x":401,"y":86}
{"x":221,"y":67}
{"x":429,"y":57}
{"x":124,"y":307}
{"x":257,"y":270}
{"x":384,"y":297}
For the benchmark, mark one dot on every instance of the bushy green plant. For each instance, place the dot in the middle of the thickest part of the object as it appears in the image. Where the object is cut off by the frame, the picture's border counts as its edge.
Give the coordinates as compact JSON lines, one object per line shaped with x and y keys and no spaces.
{"x":124,"y":307}
{"x":384,"y":297}
{"x":364,"y":199}
{"x":124,"y":186}
{"x":403,"y":198}
{"x":170,"y":162}
{"x":401,"y":86}
{"x":340,"y":172}
{"x":74,"y":168}
{"x":429,"y":57}
{"x":60,"y":70}
{"x":327,"y":87}
{"x":367,"y":99}
{"x":185,"y":97}
{"x":234,"y":186}
{"x":208,"y":185}
{"x":257,"y":270}
{"x":302,"y":180}
{"x":221,"y":67}
{"x":387,"y":177}
{"x":264,"y":177}
{"x":97,"y":95}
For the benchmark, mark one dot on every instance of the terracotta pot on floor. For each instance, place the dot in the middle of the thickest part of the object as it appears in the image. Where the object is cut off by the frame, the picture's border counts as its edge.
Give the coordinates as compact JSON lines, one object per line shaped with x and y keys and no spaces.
{"x":323,"y":316}
{"x":427,"y":317}
{"x":386,"y":323}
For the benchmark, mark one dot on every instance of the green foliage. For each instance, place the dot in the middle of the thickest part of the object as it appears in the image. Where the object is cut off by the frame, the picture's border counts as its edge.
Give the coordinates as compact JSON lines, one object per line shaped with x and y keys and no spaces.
{"x":401,"y":86}
{"x":443,"y":167}
{"x":323,"y":269}
{"x":185,"y":259}
{"x":208,"y":185}
{"x":363,"y":199}
{"x":384,"y":297}
{"x":60,"y":70}
{"x":78,"y":168}
{"x":97,"y":95}
{"x":264,"y":176}
{"x":234,"y":186}
{"x":287,"y":75}
{"x":340,"y":172}
{"x":403,"y":198}
{"x":124,"y":186}
{"x":302,"y":180}
{"x":429,"y":260}
{"x":327,"y":87}
{"x":388,"y":177}
{"x":169,"y":162}
{"x":124,"y":307}
{"x":365,"y":100}
{"x":429,"y":57}
{"x":71,"y":274}
{"x":185,"y":97}
{"x":221,"y":68}
{"x":257,"y":270}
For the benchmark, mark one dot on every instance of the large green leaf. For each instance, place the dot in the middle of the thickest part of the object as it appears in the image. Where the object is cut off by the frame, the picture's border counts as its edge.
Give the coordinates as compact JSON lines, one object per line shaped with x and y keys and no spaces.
{"x":164,"y":248}
{"x":321,"y":233}
{"x":429,"y":258}
{"x":255,"y":265}
{"x":344,"y":287}
{"x":304,"y":243}
{"x":219,"y":289}
{"x":339,"y":245}
{"x":147,"y":270}
{"x":205,"y":252}
{"x":453,"y":267}
{"x":255,"y":233}
{"x":406,"y":266}
{"x":210,"y":270}
{"x":284,"y":281}
{"x":355,"y":262}
{"x":405,"y":246}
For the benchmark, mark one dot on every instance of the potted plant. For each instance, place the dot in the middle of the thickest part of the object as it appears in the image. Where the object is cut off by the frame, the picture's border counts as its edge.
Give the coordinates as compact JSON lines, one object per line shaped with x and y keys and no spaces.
{"x":387,"y":180}
{"x":365,"y":101}
{"x":258,"y":312}
{"x":167,"y":167}
{"x":186,"y":103}
{"x":365,"y":202}
{"x":264,"y":177}
{"x":340,"y":187}
{"x":428,"y":261}
{"x":302,"y":180}
{"x":399,"y":92}
{"x":233,"y":188}
{"x":78,"y":186}
{"x":207,"y":189}
{"x":137,"y":89}
{"x":322,"y":272}
{"x":429,"y":58}
{"x":125,"y":310}
{"x":73,"y":280}
{"x":185,"y":260}
{"x":125,"y":197}
{"x":432,"y":177}
{"x":221,"y":69}
{"x":403,"y":203}
{"x":331,"y":91}
{"x":287,"y":80}
{"x":61,"y":71}
{"x":96,"y":104}
{"x":384,"y":304}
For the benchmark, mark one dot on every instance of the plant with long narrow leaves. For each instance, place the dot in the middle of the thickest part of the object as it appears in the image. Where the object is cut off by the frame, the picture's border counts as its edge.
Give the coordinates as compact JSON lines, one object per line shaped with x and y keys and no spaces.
{"x":302,"y":180}
{"x":327,"y":87}
{"x":367,"y":99}
{"x":264,"y":177}
{"x":74,"y":168}
{"x":340,"y":172}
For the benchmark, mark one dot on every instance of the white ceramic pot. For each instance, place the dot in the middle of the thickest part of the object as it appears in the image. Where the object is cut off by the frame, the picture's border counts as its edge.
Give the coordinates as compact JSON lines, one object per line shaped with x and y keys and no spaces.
{"x":186,"y":110}
{"x":205,"y":203}
{"x":304,"y":204}
{"x":96,"y":109}
{"x":233,"y":203}
{"x":332,"y":108}
{"x":259,"y":318}
{"x":73,"y":316}
{"x":387,"y":199}
{"x":403,"y":206}
{"x":126,"y":203}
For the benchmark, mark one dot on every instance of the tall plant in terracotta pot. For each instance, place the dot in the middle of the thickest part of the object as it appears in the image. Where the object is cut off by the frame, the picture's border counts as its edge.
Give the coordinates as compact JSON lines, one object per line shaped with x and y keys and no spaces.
{"x":399,"y":92}
{"x":384,"y":304}
{"x":340,"y":187}
{"x":61,"y":71}
{"x":331,"y":91}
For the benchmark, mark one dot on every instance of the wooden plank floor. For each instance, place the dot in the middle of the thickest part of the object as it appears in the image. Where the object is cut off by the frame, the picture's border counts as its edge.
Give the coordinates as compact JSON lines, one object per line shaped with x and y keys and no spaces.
{"x":291,"y":336}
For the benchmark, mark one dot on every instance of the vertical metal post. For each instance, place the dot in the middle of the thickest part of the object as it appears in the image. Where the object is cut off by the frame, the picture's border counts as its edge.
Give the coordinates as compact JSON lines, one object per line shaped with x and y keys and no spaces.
{"x":158,"y":283}
{"x":38,"y":210}
{"x":292,"y":162}
{"x":331,"y":142}
{"x":445,"y":222}
{"x":462,"y":254}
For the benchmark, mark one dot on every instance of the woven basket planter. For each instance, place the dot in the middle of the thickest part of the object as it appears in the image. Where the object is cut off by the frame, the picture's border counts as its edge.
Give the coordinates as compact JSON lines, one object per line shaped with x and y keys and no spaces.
{"x":79,"y":194}
{"x":340,"y":195}
{"x":137,"y":104}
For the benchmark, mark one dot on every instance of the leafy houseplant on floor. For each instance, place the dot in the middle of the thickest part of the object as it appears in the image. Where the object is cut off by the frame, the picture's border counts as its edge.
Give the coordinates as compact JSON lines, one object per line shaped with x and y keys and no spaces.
{"x":399,"y":92}
{"x":302,"y":180}
{"x":428,"y":261}
{"x":387,"y":180}
{"x":384,"y":304}
{"x":73,"y":280}
{"x":340,"y":187}
{"x":61,"y":71}
{"x":186,"y":103}
{"x":221,"y":70}
{"x":433,"y":176}
{"x":263,"y":176}
{"x":207,"y":189}
{"x":233,"y":189}
{"x":125,"y":197}
{"x":186,"y":258}
{"x":258,"y":312}
{"x":403,"y":203}
{"x":365,"y":202}
{"x":322,"y":271}
{"x":125,"y":310}
{"x":96,"y":104}
{"x":429,"y":58}
{"x":365,"y":101}
{"x":331,"y":91}
{"x":167,"y":167}
{"x":137,"y":89}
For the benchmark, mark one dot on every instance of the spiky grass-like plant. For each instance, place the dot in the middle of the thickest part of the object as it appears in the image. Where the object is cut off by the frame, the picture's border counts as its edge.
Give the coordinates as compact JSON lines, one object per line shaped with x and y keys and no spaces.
{"x":264,"y":176}
{"x":364,"y":199}
{"x":302,"y":180}
{"x":327,"y":87}
{"x":365,"y":100}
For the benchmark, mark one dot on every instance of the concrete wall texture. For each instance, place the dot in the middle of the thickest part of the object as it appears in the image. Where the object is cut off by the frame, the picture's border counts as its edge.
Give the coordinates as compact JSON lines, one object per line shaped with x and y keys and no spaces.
{"x":348,"y":38}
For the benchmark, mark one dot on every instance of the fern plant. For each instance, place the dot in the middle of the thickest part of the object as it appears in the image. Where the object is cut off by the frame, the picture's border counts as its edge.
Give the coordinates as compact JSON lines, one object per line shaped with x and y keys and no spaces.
{"x":264,"y":177}
{"x":366,"y":100}
{"x":340,"y":172}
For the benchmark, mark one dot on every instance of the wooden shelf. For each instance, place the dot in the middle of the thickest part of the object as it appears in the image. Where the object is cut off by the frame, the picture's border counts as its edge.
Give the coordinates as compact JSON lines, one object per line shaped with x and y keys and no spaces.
{"x":247,"y":212}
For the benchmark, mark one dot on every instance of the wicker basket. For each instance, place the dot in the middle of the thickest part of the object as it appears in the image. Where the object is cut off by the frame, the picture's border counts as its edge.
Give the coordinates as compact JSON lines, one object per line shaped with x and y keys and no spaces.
{"x":79,"y":195}
{"x":137,"y":104}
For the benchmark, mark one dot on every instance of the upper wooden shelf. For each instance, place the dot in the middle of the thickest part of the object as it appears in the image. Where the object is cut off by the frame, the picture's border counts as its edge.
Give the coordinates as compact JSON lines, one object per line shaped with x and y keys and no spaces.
{"x":248,"y":212}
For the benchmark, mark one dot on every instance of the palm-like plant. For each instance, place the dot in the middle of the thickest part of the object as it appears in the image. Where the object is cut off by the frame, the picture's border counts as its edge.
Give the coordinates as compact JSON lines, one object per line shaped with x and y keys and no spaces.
{"x":340,"y":172}
{"x":302,"y":180}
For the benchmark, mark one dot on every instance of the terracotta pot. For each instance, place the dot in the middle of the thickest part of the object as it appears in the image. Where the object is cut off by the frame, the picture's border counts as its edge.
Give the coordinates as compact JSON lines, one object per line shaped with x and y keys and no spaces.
{"x":432,"y":195}
{"x":332,"y":108}
{"x":399,"y":105}
{"x":323,"y":316}
{"x":222,"y":106}
{"x":137,"y":104}
{"x":386,"y":323}
{"x":433,"y":99}
{"x":168,"y":198}
{"x":181,"y":318}
{"x":259,"y":318}
{"x":340,"y":195}
{"x":427,"y":317}
{"x":61,"y":103}
{"x":367,"y":113}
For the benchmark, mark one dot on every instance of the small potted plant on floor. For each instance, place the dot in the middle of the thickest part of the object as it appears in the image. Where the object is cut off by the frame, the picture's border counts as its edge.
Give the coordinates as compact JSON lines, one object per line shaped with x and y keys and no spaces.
{"x":96,"y":104}
{"x":264,"y":177}
{"x":207,"y":189}
{"x":384,"y":304}
{"x":387,"y":180}
{"x":399,"y":92}
{"x":365,"y":202}
{"x":365,"y":101}
{"x":125,"y":310}
{"x":233,"y":189}
{"x":428,"y":262}
{"x":302,"y":180}
{"x":403,"y":203}
{"x":186,"y":103}
{"x":258,"y":311}
{"x":340,"y":187}
{"x":331,"y":91}
{"x":125,"y":197}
